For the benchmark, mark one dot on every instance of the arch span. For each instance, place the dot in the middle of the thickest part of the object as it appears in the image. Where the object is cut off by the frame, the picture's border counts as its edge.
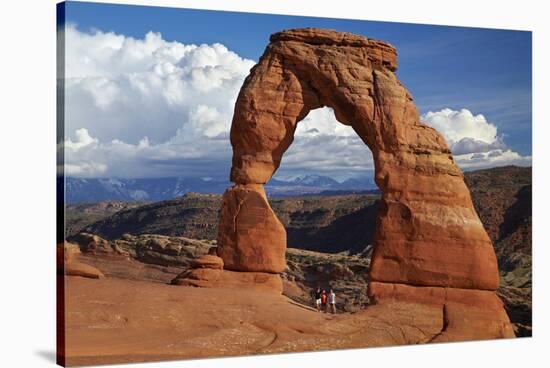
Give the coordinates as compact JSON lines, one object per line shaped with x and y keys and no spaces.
{"x":428,"y":233}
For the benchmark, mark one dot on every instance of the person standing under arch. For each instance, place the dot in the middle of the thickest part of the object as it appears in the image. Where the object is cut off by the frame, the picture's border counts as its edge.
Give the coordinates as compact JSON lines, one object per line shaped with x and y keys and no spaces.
{"x":317,"y":298}
{"x":332,"y":301}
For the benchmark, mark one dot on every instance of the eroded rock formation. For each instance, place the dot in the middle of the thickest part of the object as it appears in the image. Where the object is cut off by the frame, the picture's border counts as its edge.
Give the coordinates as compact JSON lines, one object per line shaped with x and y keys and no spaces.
{"x":252,"y":238}
{"x":207,"y":271}
{"x":430,"y":246}
{"x":68,"y":264}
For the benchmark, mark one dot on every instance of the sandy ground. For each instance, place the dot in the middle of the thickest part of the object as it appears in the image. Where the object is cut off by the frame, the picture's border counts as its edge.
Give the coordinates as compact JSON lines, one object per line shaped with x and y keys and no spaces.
{"x":115,"y":320}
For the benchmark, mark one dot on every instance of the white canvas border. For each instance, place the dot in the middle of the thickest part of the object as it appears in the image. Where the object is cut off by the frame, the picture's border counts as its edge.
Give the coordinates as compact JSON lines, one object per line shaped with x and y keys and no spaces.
{"x":27,"y":311}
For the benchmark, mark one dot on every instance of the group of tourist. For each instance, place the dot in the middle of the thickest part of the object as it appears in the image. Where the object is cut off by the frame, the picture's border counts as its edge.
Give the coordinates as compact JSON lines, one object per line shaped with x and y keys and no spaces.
{"x":324,"y":301}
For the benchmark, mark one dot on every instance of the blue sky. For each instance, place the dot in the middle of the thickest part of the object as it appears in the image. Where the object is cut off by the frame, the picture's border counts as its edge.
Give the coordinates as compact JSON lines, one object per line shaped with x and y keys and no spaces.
{"x":485,"y":71}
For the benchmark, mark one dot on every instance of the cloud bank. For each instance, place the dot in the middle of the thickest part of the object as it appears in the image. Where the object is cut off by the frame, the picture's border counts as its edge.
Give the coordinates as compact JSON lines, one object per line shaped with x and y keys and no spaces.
{"x":148,"y":107}
{"x":155,"y":108}
{"x":473,"y":140}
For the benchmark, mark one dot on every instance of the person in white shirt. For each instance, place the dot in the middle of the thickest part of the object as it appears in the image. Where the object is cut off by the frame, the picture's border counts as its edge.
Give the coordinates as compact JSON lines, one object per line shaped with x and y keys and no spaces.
{"x":332,"y":301}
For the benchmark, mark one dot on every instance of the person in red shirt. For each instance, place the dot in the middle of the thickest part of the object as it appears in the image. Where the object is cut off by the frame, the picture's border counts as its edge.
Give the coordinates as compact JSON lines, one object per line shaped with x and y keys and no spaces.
{"x":324,"y":300}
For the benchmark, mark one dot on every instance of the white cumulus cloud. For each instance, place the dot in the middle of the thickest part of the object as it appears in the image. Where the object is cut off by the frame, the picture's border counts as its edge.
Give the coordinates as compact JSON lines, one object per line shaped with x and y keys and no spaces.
{"x":456,"y":125}
{"x":473,"y":140}
{"x":145,"y":107}
{"x":324,"y":146}
{"x":83,"y":139}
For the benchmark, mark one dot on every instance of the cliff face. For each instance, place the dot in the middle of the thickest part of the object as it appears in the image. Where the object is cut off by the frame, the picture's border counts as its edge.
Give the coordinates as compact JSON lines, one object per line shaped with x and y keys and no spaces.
{"x":502,"y":198}
{"x":329,"y":224}
{"x":193,"y":215}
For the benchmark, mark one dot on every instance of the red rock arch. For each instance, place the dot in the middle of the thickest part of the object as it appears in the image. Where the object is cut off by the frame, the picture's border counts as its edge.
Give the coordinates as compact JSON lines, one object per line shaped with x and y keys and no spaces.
{"x":428,"y":232}
{"x":430,"y":245}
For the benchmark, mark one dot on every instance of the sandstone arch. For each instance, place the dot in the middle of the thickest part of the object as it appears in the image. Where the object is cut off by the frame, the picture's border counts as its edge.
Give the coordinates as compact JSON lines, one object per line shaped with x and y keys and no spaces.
{"x":428,"y":232}
{"x":430,"y":245}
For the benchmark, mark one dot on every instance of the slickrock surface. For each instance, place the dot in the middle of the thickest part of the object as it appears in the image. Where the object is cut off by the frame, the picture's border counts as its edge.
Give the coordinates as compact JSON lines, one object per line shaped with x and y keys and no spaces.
{"x":116,"y":321}
{"x":428,"y":232}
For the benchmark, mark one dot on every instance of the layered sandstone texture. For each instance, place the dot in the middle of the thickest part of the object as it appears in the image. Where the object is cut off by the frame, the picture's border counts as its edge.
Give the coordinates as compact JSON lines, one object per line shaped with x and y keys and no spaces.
{"x":207,"y":271}
{"x":251,"y":237}
{"x":253,"y":245}
{"x":428,"y":233}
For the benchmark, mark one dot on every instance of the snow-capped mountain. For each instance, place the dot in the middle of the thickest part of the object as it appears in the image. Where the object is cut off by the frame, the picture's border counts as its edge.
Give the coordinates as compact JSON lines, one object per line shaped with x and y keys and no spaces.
{"x":317,"y":184}
{"x":157,"y":189}
{"x":151,"y":189}
{"x":314,"y":180}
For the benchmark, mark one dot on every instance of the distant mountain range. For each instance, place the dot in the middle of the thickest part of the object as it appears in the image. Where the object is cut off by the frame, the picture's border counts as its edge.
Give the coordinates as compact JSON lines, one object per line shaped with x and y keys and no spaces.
{"x":157,"y":189}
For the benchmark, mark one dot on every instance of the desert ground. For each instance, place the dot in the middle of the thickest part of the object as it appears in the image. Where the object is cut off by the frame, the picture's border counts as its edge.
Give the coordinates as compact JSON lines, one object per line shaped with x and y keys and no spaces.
{"x":116,"y":320}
